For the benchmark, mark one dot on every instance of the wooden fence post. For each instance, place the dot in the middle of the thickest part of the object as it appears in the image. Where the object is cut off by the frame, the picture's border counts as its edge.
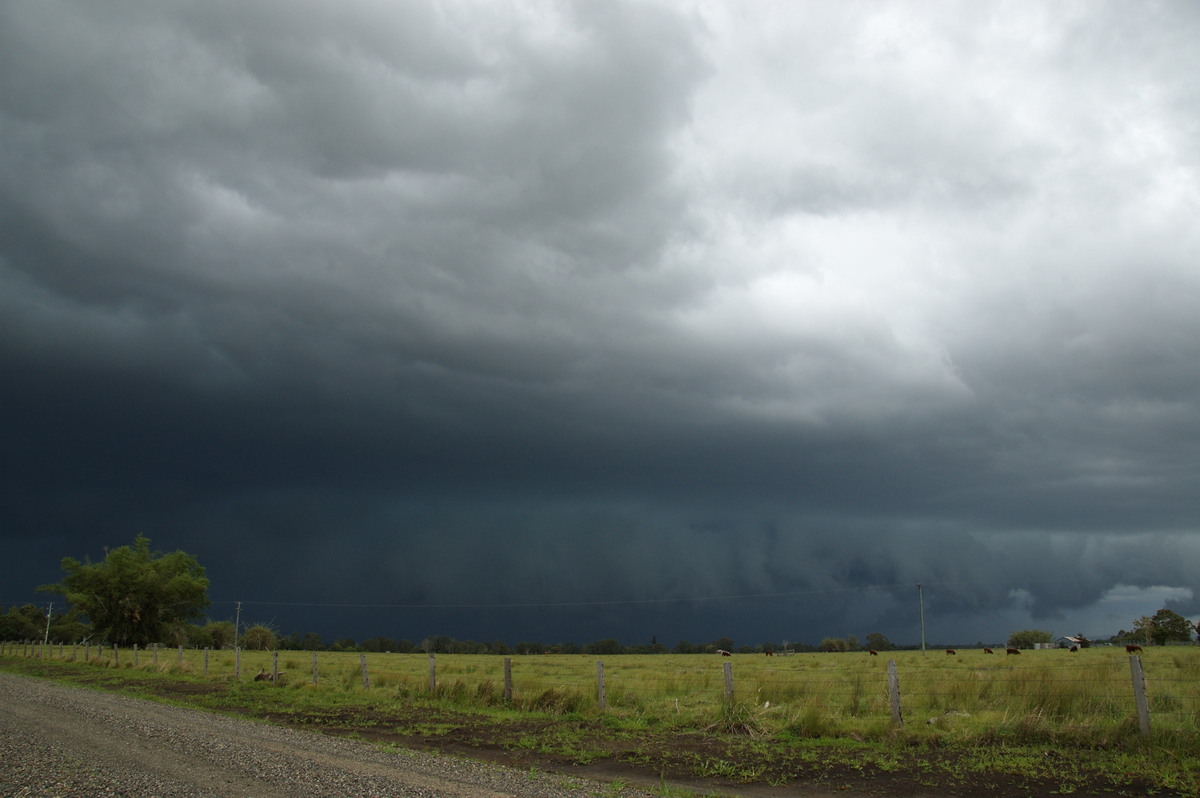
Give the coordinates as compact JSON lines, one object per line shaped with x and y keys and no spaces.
{"x":362,"y":663}
{"x":894,"y":692}
{"x":275,"y":668}
{"x":1139,"y":694}
{"x":601,"y":696}
{"x":156,"y":653}
{"x":116,"y":656}
{"x":314,"y":667}
{"x":86,"y":646}
{"x":237,"y":663}
{"x":205,"y":660}
{"x":508,"y":680}
{"x":432,"y":674}
{"x":728,"y":668}
{"x":181,"y":656}
{"x":135,"y":655}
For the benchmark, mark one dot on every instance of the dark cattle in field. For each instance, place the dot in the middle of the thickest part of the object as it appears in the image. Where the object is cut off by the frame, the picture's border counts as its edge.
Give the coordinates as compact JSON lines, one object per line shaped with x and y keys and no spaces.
{"x":873,"y":653}
{"x":988,"y":651}
{"x":951,"y":651}
{"x":723,"y":652}
{"x":1012,"y":651}
{"x":1073,"y":649}
{"x":1132,"y":648}
{"x":769,"y":653}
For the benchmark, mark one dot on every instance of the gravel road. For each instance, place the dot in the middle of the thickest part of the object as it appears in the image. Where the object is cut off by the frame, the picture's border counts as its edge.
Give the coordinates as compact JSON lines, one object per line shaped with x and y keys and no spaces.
{"x":63,"y":741}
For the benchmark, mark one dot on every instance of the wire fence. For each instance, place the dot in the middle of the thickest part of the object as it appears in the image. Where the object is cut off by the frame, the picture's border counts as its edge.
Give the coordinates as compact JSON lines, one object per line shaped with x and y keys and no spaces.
{"x":1091,"y":689}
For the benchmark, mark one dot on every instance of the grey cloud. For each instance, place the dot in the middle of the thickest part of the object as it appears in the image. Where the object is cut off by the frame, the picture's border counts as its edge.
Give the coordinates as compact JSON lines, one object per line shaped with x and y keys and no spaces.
{"x":619,"y":309}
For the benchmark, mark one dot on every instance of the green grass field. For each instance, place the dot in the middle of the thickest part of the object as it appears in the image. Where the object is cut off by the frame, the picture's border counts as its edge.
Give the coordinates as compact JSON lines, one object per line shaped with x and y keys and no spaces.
{"x":1046,"y":694}
{"x":1043,"y":723}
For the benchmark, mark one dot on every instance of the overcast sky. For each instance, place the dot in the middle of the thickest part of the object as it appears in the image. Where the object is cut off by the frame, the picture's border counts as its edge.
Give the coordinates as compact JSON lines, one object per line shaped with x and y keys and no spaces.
{"x":574,"y":320}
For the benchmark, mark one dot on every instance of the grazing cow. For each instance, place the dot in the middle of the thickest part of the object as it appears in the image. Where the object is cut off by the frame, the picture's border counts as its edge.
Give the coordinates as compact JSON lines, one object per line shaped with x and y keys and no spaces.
{"x":769,"y":653}
{"x":873,"y":653}
{"x":723,"y":652}
{"x":1073,"y":649}
{"x":1132,"y":647}
{"x":1012,"y":651}
{"x":988,"y":651}
{"x":951,"y":651}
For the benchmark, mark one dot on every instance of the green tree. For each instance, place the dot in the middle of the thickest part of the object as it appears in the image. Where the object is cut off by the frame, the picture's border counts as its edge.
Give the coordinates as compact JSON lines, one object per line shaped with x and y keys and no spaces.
{"x":136,"y":595}
{"x":259,"y":637}
{"x":834,"y":644}
{"x":1028,"y":638}
{"x":606,"y":647}
{"x":877,"y":642}
{"x":27,"y":622}
{"x":1167,"y":626}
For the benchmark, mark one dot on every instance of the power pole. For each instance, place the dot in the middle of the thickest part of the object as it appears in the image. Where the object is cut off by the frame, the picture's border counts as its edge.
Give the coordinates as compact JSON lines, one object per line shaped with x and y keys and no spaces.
{"x":921,"y":605}
{"x":237,"y":624}
{"x":49,"y":611}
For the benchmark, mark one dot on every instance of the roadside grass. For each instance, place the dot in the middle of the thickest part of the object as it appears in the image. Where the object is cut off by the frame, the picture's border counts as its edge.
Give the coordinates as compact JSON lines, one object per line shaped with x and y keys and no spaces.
{"x":1044,"y":716}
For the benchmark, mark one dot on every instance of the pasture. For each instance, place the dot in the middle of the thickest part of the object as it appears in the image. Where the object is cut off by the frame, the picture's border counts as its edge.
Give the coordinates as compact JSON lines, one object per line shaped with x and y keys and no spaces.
{"x":1086,"y":697}
{"x":1041,"y":723}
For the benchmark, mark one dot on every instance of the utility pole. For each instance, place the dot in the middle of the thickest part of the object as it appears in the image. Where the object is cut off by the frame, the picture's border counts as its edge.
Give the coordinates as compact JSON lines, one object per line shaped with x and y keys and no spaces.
{"x":49,"y":611}
{"x":921,"y":606}
{"x":237,"y":624}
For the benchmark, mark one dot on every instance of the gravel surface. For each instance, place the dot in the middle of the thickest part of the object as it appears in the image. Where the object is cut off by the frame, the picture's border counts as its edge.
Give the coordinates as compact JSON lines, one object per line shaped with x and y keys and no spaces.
{"x":63,"y":741}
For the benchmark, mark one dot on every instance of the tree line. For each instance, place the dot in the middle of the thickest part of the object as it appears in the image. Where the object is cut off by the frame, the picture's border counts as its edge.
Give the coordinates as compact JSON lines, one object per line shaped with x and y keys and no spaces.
{"x":139,"y":596}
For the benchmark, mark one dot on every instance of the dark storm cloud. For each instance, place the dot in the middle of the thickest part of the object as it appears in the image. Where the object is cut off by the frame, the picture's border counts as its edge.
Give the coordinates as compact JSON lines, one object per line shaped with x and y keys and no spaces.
{"x":660,"y":316}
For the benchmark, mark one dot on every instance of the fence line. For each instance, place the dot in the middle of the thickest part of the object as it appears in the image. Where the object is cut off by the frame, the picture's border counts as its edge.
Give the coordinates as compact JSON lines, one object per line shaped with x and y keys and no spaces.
{"x":1064,"y":689}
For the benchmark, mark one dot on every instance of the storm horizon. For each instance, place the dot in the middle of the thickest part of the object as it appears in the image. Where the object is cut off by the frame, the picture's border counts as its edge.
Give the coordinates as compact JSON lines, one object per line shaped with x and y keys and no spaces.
{"x":567,"y":321}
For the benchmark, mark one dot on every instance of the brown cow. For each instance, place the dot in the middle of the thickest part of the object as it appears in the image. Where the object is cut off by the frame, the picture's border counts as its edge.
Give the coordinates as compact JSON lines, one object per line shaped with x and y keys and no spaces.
{"x":873,"y":653}
{"x":951,"y":651}
{"x":988,"y":651}
{"x":1073,"y":649}
{"x":1132,"y":647}
{"x":724,"y":653}
{"x":1012,"y":651}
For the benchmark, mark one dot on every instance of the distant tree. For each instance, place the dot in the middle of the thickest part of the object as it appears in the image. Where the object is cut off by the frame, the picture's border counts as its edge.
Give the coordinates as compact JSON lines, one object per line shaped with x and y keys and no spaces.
{"x":289,"y":642}
{"x":1083,"y":641}
{"x":1143,"y":630}
{"x":877,"y":642}
{"x":259,"y":637}
{"x":829,"y":644}
{"x":220,"y":633}
{"x":852,"y":643}
{"x":27,"y":622}
{"x":526,"y":647}
{"x":1167,"y":626}
{"x":723,"y":644}
{"x":438,"y":644}
{"x":135,"y":595}
{"x":608,"y":647}
{"x":343,"y":644}
{"x":684,"y":647}
{"x":378,"y":644}
{"x":311,"y":641}
{"x":1028,"y":638}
